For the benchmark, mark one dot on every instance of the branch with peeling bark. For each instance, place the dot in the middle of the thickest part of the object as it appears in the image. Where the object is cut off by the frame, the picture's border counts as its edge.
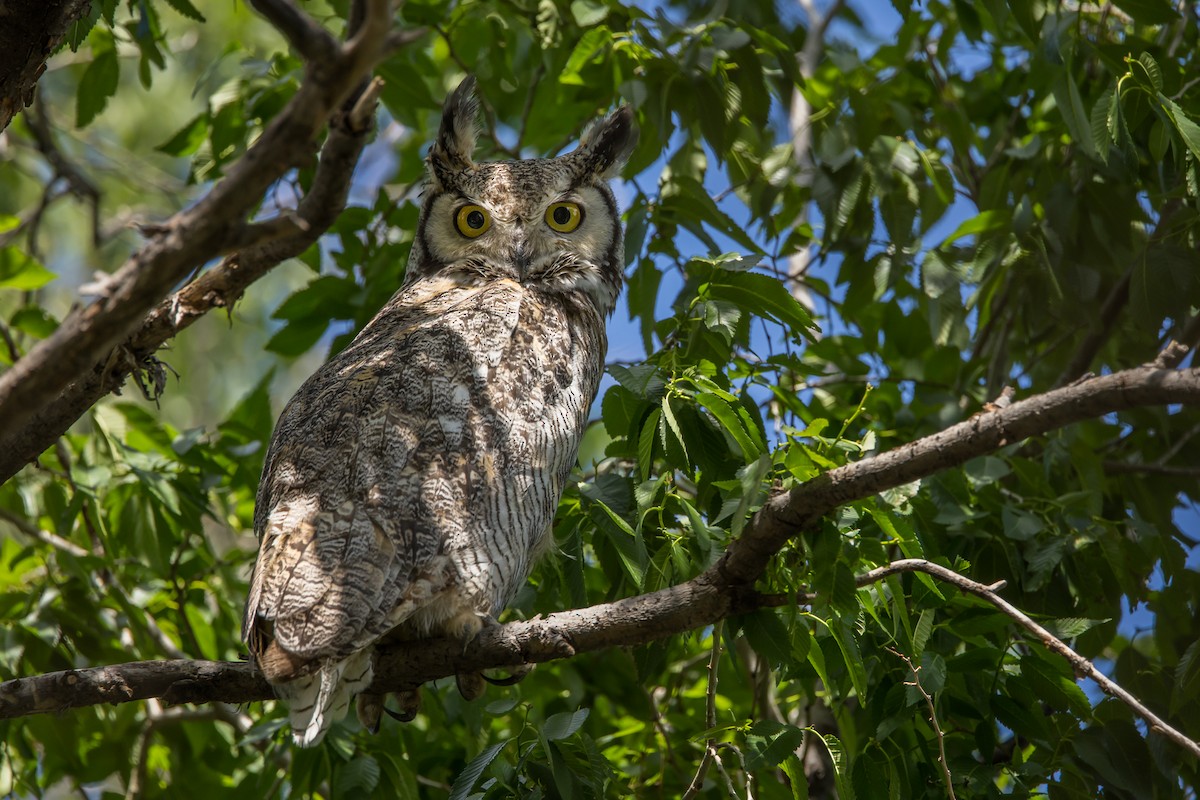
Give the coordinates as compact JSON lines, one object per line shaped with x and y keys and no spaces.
{"x":725,"y":590}
{"x":43,"y":392}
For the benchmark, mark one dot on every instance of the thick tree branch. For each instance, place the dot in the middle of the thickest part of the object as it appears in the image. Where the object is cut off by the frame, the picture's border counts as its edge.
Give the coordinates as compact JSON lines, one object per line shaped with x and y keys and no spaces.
{"x":787,"y":513}
{"x":724,"y":590}
{"x":50,"y":415}
{"x":193,"y":236}
{"x":633,"y":621}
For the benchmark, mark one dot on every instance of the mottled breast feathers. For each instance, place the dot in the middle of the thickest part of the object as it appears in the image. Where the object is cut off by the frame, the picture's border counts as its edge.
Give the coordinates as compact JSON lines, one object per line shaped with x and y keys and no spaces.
{"x":411,"y":481}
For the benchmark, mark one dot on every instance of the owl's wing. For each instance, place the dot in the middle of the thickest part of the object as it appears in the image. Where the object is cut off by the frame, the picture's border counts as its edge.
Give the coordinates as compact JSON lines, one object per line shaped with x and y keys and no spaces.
{"x":363,"y":481}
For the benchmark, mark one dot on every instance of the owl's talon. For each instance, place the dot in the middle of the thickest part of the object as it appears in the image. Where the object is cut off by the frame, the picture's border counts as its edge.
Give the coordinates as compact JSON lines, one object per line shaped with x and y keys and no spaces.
{"x":400,"y":716}
{"x":518,"y":675}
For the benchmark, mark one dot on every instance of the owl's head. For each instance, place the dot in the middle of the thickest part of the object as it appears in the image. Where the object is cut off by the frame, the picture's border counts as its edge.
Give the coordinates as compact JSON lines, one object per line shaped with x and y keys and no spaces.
{"x":550,"y":224}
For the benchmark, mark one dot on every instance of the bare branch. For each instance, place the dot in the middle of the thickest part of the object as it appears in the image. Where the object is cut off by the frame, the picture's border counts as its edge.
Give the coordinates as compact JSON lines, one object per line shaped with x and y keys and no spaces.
{"x":710,"y":716}
{"x":937,"y":729}
{"x":1082,"y":667}
{"x":43,"y":536}
{"x":220,"y":287}
{"x":191,"y":237}
{"x":310,"y":40}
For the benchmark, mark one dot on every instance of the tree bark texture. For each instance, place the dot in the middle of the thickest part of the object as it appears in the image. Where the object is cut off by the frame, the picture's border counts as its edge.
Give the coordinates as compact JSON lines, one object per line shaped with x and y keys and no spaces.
{"x":30,"y":31}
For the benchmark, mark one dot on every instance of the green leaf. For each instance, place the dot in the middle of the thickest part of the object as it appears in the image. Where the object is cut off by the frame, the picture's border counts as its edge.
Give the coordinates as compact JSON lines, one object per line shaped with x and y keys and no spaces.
{"x":922,"y":632}
{"x":644,"y":380}
{"x":206,"y":638}
{"x":762,"y":295}
{"x":670,"y":423}
{"x":466,"y":779}
{"x":1070,"y":105}
{"x":1153,"y":73}
{"x":767,"y":635}
{"x":630,"y":547}
{"x":19,"y":270}
{"x":357,"y":778}
{"x":99,"y":82}
{"x":564,"y":724}
{"x":1148,"y":12}
{"x":588,"y":48}
{"x":843,"y":634}
{"x":188,"y":10}
{"x":984,"y":222}
{"x":745,"y":434}
{"x":1188,"y":130}
{"x":188,"y":139}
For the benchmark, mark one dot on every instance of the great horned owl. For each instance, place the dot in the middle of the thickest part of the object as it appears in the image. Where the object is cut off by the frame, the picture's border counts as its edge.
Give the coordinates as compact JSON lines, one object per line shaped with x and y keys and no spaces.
{"x":411,"y":482}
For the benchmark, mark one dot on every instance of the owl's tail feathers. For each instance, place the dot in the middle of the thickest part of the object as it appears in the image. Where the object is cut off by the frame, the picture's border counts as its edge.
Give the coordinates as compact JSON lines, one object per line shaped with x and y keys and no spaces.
{"x":317,"y":701}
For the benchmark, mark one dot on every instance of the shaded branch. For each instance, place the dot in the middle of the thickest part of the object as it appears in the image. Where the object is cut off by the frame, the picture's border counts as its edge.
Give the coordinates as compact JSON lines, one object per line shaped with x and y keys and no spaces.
{"x":628,"y":622}
{"x":190,"y":238}
{"x":219,"y":287}
{"x":724,"y":590}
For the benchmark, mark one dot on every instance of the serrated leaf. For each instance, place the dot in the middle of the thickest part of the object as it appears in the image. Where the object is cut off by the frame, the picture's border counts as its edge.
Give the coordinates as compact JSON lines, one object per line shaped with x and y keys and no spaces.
{"x":1148,"y":12}
{"x":630,"y":547}
{"x":646,"y":443}
{"x":729,"y":419}
{"x":670,"y":423}
{"x":188,"y":10}
{"x":764,"y":296}
{"x":589,"y":46}
{"x":843,"y":634}
{"x":206,"y":638}
{"x":466,"y":779}
{"x":361,"y":774}
{"x":188,"y":139}
{"x":98,"y":83}
{"x":564,"y":724}
{"x":922,"y":632}
{"x":768,"y":636}
{"x":1068,"y":628}
{"x":1070,"y":106}
{"x":644,"y":380}
{"x":1153,"y":71}
{"x":19,"y":270}
{"x":1188,"y":130}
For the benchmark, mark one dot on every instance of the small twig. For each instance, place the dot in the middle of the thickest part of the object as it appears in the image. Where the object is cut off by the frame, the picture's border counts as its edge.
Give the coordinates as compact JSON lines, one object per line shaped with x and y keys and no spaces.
{"x":80,"y":184}
{"x":1081,"y":665}
{"x":45,"y":537}
{"x":710,"y":717}
{"x":14,"y":353}
{"x":937,"y":729}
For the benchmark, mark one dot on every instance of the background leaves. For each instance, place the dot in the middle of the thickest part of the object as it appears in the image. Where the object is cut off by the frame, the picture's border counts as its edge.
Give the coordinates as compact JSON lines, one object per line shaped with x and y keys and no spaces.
{"x":996,"y":194}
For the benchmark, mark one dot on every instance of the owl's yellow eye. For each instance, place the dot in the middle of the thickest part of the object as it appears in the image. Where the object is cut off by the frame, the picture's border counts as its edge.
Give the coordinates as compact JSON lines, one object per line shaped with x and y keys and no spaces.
{"x":564,"y":217}
{"x":472,"y":221}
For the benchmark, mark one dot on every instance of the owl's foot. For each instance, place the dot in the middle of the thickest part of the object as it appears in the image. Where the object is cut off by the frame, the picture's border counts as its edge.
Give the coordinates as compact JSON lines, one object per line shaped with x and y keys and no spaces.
{"x":409,"y":702}
{"x":471,"y":685}
{"x":518,"y":675}
{"x":369,"y":708}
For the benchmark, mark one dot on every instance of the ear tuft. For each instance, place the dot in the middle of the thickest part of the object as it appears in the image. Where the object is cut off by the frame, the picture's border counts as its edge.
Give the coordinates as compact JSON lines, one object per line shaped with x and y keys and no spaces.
{"x":456,"y":139}
{"x":607,"y":144}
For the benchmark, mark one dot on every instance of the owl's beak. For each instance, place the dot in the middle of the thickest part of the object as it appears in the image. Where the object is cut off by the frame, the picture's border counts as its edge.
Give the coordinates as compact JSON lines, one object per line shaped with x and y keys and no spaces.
{"x":521,"y":259}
